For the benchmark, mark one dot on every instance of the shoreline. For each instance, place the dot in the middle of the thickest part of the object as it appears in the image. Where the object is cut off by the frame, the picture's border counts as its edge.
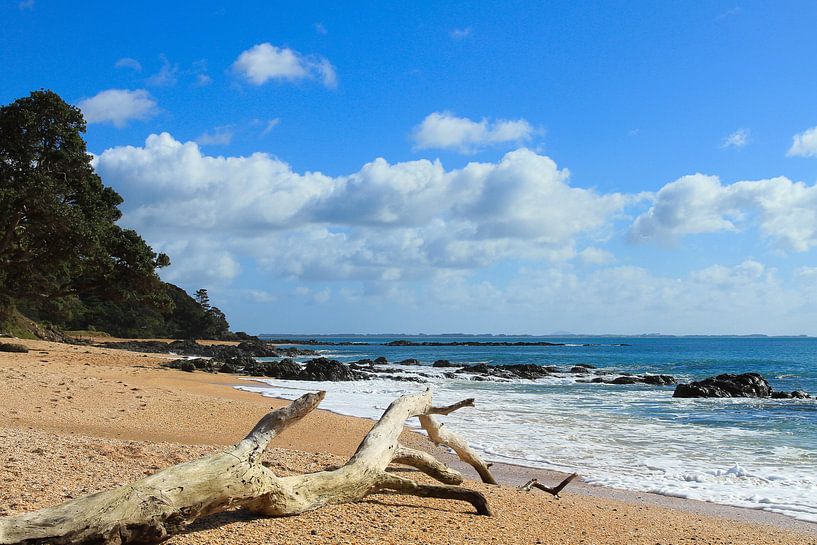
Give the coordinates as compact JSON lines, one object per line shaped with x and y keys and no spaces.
{"x":141,"y":417}
{"x":517,"y":474}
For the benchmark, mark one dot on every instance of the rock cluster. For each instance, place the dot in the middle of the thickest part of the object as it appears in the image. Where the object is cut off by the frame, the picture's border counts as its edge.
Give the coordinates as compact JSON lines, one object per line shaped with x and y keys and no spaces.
{"x":731,"y":385}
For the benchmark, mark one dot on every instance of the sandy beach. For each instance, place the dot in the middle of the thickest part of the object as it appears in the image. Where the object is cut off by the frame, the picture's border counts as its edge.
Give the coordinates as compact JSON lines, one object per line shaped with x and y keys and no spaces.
{"x":78,"y":419}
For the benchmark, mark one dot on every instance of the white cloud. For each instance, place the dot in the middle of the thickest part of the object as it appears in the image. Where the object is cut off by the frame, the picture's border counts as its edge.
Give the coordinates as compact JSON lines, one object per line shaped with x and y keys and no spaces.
{"x":596,"y":256}
{"x":200,"y":71}
{"x":167,"y":74}
{"x":443,"y":130}
{"x":220,"y":136}
{"x":264,"y":62}
{"x":721,"y":299}
{"x":420,"y":240}
{"x":129,"y":63}
{"x":460,"y":33}
{"x":269,"y":125}
{"x":118,"y":106}
{"x":784,"y":211}
{"x":382,"y":223}
{"x":804,"y":144}
{"x":203,"y":80}
{"x":737,"y":139}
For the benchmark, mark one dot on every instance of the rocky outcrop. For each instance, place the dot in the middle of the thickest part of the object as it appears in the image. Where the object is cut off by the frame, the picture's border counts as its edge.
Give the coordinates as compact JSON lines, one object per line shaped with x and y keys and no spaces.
{"x":523,"y":371}
{"x":731,"y":385}
{"x":444,"y":363}
{"x":255,"y":348}
{"x":322,"y":369}
{"x":796,"y":394}
{"x":409,"y":361}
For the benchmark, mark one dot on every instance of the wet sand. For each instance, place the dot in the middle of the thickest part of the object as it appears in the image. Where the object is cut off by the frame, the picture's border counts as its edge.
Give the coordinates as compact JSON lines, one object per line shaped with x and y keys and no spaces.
{"x":76,"y":419}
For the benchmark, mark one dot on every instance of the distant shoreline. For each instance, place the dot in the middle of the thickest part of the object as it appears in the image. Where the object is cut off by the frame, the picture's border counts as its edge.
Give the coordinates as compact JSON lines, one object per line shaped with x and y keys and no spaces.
{"x":273,"y":336}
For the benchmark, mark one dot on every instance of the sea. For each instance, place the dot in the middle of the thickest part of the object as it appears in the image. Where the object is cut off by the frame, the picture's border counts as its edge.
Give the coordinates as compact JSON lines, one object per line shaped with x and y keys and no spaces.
{"x":752,"y":453}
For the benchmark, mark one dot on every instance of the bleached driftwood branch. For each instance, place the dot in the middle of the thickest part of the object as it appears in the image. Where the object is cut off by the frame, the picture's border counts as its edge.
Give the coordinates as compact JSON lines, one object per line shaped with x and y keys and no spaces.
{"x":154,"y":508}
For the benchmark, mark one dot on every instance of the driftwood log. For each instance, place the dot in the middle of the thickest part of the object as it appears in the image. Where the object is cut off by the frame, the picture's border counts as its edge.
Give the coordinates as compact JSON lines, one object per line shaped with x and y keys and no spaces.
{"x":154,"y":508}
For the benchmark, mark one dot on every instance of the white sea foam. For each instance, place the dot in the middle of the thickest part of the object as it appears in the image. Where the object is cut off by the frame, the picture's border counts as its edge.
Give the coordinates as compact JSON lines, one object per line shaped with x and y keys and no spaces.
{"x":556,"y":424}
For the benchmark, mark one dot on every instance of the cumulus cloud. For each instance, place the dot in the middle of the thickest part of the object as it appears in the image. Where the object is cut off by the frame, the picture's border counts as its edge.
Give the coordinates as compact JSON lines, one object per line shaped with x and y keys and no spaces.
{"x":265,"y":62}
{"x":784,"y":211}
{"x":426,"y":241}
{"x":129,"y":63}
{"x":444,"y":130}
{"x":381,"y":223}
{"x":737,"y":139}
{"x":118,"y":106}
{"x":804,"y":144}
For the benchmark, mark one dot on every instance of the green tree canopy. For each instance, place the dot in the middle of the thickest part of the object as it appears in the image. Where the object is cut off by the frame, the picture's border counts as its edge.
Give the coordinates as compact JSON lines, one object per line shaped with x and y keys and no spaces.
{"x":57,"y":219}
{"x":63,"y":258}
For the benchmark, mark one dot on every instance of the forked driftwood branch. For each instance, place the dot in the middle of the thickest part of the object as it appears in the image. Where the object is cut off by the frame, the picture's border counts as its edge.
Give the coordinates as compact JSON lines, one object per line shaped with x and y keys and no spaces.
{"x":553,"y":490}
{"x":153,"y":509}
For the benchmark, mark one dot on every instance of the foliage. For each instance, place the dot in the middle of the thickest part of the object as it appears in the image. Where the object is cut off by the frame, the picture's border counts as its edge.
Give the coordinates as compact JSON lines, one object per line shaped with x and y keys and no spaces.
{"x":63,"y":258}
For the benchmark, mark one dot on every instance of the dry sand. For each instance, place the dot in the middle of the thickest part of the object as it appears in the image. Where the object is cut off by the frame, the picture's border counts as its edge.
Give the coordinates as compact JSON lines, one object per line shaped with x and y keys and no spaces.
{"x":77,"y":419}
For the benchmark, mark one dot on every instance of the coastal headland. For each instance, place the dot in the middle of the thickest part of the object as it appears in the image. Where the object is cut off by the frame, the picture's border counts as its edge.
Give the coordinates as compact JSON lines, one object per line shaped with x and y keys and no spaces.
{"x":75,"y":419}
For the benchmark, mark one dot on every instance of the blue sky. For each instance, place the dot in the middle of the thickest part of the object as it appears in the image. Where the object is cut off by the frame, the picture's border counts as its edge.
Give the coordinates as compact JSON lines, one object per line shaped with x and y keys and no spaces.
{"x":503,"y":167}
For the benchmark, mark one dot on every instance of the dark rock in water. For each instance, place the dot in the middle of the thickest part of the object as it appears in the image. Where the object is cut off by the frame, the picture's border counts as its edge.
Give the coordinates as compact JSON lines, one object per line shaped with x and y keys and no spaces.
{"x":586,"y":366}
{"x":381,"y":361}
{"x":410,"y":361}
{"x":579,"y":370}
{"x":551,"y":369}
{"x":399,"y":343}
{"x":659,"y":380}
{"x":726,"y":385}
{"x":450,"y":375}
{"x":323,"y":369}
{"x":627,"y":380}
{"x":285,"y":369}
{"x":404,"y":378}
{"x":480,"y":368}
{"x":796,"y":394}
{"x":444,"y":363}
{"x":525,"y":371}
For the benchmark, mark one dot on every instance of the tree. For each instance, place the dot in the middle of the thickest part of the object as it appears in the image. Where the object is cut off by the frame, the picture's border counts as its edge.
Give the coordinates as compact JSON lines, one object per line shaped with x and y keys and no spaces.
{"x":58,"y":236}
{"x":203,"y":299}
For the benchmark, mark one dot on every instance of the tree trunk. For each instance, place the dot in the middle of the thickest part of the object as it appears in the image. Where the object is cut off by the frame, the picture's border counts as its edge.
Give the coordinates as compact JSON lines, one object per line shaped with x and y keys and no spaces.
{"x":153,"y":509}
